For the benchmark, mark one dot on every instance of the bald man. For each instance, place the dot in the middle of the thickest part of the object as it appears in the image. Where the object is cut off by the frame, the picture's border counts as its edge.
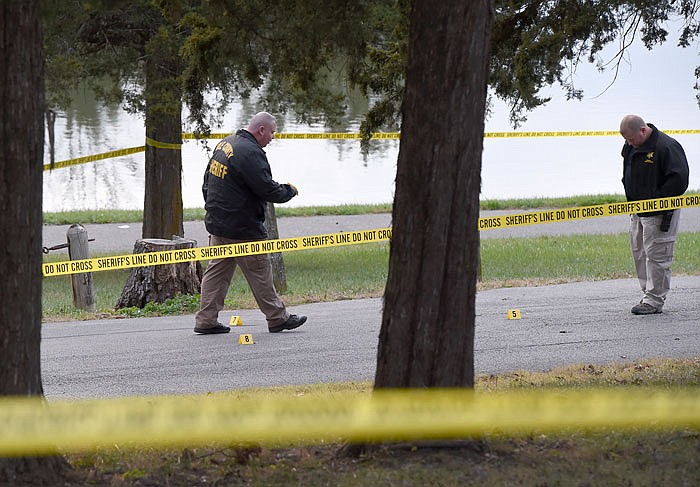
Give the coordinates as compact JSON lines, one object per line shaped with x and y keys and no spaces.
{"x":237,"y":186}
{"x":654,"y":166}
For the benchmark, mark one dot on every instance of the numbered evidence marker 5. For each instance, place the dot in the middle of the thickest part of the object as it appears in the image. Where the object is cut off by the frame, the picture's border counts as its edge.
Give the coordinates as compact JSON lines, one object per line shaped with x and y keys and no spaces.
{"x":513,"y":314}
{"x":245,"y":339}
{"x":235,"y":321}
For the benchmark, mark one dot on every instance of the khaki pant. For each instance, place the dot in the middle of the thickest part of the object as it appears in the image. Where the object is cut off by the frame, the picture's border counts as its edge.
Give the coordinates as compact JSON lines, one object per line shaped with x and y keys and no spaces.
{"x":652,"y":251}
{"x":217,"y":279}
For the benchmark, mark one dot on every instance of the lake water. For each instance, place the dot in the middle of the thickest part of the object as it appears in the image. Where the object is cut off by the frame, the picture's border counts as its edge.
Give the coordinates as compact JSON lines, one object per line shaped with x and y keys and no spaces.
{"x":656,"y":85}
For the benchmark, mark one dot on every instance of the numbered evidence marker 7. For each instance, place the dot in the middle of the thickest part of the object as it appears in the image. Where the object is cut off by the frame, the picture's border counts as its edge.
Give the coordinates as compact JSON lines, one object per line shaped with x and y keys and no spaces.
{"x":513,"y":314}
{"x":235,"y":321}
{"x":245,"y":339}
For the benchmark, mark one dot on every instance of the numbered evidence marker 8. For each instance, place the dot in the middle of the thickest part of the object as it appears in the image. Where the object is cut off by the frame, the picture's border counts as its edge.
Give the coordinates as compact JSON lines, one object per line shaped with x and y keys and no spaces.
{"x":245,"y":339}
{"x":235,"y":321}
{"x":513,"y":314}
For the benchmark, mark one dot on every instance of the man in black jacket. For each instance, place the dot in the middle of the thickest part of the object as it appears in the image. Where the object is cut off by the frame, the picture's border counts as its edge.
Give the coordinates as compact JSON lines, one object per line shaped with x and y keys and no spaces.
{"x":655,"y":166}
{"x":237,"y":185}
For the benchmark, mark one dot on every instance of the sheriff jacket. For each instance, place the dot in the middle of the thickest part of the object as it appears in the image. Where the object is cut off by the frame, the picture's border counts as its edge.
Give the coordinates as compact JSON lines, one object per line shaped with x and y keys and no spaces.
{"x":237,"y":185}
{"x":657,"y":169}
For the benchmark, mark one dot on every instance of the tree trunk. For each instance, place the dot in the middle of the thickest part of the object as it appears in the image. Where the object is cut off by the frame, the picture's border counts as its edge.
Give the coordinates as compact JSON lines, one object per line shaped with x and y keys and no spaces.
{"x":162,"y":209}
{"x":21,"y":168}
{"x":279,"y":273}
{"x":155,"y":284}
{"x":22,"y":106}
{"x":427,"y":333}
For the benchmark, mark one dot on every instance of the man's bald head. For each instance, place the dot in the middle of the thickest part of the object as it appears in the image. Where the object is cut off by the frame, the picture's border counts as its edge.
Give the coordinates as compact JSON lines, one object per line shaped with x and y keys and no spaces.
{"x":635,"y":130}
{"x":263,"y":127}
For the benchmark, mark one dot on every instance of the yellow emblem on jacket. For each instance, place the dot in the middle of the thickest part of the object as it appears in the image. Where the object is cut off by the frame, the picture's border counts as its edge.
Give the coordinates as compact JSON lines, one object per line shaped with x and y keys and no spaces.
{"x":226,"y":147}
{"x":650,"y":158}
{"x":217,"y":169}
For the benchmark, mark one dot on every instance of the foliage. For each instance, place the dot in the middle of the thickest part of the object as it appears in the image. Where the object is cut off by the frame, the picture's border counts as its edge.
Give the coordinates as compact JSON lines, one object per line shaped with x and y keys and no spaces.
{"x":297,"y":51}
{"x":177,"y":305}
{"x":535,"y":44}
{"x":291,"y":50}
{"x":101,"y":44}
{"x":541,"y":43}
{"x":384,"y":70}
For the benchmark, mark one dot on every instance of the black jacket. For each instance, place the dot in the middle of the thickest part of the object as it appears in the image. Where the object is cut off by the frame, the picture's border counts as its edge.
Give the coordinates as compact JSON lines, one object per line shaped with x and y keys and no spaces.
{"x":657,"y":169}
{"x":237,"y":185}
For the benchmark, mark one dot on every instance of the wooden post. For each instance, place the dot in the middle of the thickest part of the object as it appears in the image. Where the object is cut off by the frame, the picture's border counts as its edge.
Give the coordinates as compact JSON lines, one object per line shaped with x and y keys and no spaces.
{"x":279,"y":272}
{"x":83,"y":292}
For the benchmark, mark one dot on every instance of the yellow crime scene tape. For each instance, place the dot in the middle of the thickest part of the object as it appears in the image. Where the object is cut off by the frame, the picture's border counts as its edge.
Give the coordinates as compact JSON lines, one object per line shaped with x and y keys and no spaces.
{"x":355,"y":237}
{"x":338,"y":136}
{"x":397,"y":135}
{"x":578,"y":133}
{"x":320,"y":135}
{"x":96,"y":157}
{"x":31,"y":426}
{"x":216,"y":252}
{"x":587,"y":212}
{"x":162,"y":145}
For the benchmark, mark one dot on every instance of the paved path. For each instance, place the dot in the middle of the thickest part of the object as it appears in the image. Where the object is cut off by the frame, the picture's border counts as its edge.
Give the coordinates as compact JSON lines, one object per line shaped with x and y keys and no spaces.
{"x":586,"y":323}
{"x":563,"y":324}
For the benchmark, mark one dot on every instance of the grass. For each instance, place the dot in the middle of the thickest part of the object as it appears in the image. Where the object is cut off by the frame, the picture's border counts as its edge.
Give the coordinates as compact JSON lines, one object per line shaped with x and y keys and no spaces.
{"x":533,"y":203}
{"x":606,"y":456}
{"x":190,"y":214}
{"x":574,"y":258}
{"x":194,"y":214}
{"x":312,"y":276}
{"x":360,"y":271}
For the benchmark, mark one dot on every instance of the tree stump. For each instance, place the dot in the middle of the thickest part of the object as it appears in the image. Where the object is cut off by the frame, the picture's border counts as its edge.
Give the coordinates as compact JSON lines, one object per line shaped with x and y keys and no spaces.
{"x":155,"y":284}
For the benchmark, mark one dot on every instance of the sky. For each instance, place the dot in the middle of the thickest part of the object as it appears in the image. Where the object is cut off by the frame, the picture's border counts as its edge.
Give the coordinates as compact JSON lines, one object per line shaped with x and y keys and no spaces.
{"x":657,"y":85}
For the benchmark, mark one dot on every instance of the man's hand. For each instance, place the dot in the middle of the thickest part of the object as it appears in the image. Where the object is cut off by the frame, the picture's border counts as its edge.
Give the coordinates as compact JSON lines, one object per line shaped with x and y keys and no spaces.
{"x":296,"y":191}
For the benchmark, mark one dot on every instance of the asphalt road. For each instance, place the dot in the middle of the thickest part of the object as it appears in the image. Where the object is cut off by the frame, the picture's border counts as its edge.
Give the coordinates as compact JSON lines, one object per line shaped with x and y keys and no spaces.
{"x":586,"y":323}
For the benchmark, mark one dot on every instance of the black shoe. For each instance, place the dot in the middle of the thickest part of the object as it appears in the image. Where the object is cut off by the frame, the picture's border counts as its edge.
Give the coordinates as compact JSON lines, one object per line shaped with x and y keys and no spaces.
{"x":218,"y":328}
{"x":292,"y":322}
{"x":645,"y":309}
